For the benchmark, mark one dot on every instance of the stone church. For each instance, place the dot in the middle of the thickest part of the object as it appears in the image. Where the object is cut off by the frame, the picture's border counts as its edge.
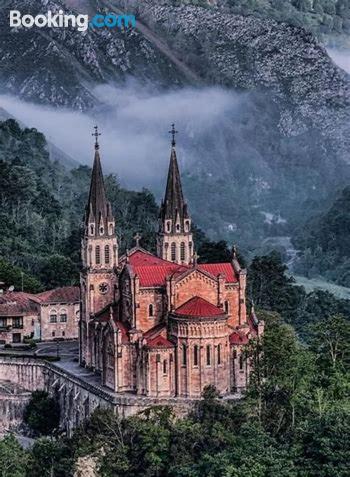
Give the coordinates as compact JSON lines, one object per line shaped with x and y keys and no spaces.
{"x":160,"y":325}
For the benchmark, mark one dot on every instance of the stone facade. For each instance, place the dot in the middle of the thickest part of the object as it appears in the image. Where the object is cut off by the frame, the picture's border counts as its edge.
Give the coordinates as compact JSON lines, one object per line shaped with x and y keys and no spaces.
{"x":43,"y":317}
{"x":76,"y":396}
{"x":13,"y":401}
{"x":162,"y":326}
{"x":174,"y":240}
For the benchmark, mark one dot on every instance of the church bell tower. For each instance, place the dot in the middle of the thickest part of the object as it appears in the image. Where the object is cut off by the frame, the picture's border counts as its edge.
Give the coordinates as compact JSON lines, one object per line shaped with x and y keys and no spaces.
{"x":174,"y":240}
{"x":99,"y":255}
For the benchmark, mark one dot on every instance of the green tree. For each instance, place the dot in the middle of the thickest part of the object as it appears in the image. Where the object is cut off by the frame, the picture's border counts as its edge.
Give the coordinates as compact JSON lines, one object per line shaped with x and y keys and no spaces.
{"x":50,"y":458}
{"x":57,"y":270}
{"x":282,"y":374}
{"x":14,"y":276}
{"x":324,"y":445}
{"x":42,"y":414}
{"x":271,"y":289}
{"x":330,"y":340}
{"x":214,"y":252}
{"x":13,"y":459}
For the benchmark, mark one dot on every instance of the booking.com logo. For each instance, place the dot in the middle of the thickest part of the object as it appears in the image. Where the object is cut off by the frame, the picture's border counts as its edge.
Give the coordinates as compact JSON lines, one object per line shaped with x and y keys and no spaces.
{"x":62,"y":20}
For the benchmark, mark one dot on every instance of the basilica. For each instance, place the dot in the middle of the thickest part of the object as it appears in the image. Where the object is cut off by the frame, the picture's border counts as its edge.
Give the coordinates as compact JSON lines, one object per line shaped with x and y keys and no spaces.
{"x":160,"y":325}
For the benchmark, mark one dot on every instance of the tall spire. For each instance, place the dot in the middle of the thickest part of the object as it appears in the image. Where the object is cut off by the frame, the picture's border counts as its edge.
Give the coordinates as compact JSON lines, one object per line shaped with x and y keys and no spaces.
{"x":174,"y":206}
{"x":174,"y":239}
{"x":98,"y":208}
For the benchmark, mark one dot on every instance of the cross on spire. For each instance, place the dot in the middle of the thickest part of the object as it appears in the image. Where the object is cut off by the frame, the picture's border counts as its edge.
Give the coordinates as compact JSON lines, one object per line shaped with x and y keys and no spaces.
{"x":96,"y":134}
{"x":137,"y":238}
{"x":173,"y":132}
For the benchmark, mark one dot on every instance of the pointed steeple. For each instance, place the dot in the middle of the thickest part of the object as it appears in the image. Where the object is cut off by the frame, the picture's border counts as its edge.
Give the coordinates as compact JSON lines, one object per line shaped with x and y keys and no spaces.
{"x":174,"y":203}
{"x":97,"y":203}
{"x":98,"y":209}
{"x":174,"y":241}
{"x":174,"y":206}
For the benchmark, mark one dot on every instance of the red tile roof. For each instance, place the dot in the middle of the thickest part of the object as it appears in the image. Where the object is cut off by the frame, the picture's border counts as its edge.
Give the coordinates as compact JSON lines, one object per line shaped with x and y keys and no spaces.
{"x":237,"y":338}
{"x":215,"y":269}
{"x":104,"y":316}
{"x":197,"y":306}
{"x":140,"y":257}
{"x":156,"y":337}
{"x":159,"y":342}
{"x":60,"y":295}
{"x":15,"y":303}
{"x":153,"y":271}
{"x":123,"y":330}
{"x":155,"y":276}
{"x":155,"y":331}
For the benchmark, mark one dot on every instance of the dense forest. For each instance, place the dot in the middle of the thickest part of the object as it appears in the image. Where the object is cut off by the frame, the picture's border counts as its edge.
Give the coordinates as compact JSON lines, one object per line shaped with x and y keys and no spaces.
{"x":294,"y":422}
{"x":42,"y":207}
{"x":324,"y":243}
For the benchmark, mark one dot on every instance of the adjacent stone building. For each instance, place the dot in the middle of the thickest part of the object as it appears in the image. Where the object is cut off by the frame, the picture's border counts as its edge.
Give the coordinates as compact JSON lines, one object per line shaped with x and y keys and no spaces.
{"x":19,"y":317}
{"x":59,"y":313}
{"x":160,"y":325}
{"x":43,"y":317}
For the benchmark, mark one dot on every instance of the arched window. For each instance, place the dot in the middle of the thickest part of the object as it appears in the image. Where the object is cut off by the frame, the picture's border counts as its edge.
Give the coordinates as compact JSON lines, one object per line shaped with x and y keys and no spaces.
{"x":195,"y":355}
{"x":178,"y":228}
{"x":241,"y":362}
{"x":53,"y":316}
{"x":168,"y":226}
{"x":227,"y":308}
{"x":173,"y":252}
{"x":165,"y":367}
{"x":107,"y":256}
{"x":182,"y":251}
{"x":92,"y":229}
{"x":187,"y":225}
{"x":184,"y":355}
{"x":150,"y":310}
{"x":219,"y":354}
{"x":208,"y":355}
{"x":97,"y":255}
{"x":102,"y":230}
{"x":63,"y":315}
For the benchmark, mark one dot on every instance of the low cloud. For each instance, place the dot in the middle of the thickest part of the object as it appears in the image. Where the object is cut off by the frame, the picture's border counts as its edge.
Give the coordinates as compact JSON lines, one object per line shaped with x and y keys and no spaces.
{"x":341,"y":58}
{"x":134,"y":124}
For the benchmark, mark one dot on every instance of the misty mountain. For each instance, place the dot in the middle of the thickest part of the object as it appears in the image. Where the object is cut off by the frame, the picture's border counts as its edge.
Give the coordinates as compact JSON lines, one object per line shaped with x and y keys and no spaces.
{"x":275,"y":157}
{"x":55,"y":153}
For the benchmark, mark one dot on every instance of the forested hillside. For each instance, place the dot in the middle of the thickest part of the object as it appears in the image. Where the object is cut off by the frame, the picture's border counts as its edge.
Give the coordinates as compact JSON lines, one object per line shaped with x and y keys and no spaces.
{"x":42,"y":206}
{"x":295,"y":422}
{"x":325,"y":243}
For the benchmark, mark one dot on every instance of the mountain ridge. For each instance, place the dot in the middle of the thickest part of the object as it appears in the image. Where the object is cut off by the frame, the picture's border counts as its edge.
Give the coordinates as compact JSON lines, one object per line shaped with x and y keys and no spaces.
{"x":283,"y":153}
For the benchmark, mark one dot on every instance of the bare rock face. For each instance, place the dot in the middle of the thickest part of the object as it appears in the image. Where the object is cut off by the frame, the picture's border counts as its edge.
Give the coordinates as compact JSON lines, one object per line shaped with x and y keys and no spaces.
{"x":280,"y":154}
{"x":86,"y":467}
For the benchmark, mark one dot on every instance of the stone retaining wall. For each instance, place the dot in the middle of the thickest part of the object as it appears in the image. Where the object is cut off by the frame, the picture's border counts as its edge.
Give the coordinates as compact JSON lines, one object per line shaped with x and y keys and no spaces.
{"x":77,"y":397}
